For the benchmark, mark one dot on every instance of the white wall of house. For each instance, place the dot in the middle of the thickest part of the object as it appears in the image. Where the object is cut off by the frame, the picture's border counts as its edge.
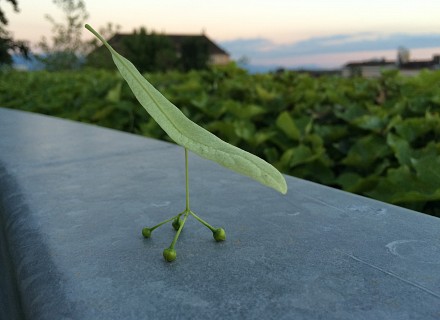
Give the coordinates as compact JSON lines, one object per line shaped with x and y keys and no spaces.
{"x":366,"y":71}
{"x":219,"y":59}
{"x":375,"y":71}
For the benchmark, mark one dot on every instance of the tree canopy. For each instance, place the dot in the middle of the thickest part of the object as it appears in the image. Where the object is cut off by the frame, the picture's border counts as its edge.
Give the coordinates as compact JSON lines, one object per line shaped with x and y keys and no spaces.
{"x":66,"y":48}
{"x":8,"y":45}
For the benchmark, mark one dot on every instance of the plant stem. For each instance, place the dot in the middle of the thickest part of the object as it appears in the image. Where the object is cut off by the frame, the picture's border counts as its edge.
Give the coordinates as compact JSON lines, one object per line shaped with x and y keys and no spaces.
{"x":163,"y":222}
{"x":186,"y":180}
{"x":180,"y":229}
{"x":203,"y":222}
{"x":187,"y":210}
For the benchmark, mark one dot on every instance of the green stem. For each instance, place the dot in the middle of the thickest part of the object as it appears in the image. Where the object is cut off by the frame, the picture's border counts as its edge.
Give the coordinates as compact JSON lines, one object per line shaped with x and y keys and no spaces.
{"x":163,"y":222}
{"x":178,"y":216}
{"x":178,"y":231}
{"x":186,"y":180}
{"x":203,"y":222}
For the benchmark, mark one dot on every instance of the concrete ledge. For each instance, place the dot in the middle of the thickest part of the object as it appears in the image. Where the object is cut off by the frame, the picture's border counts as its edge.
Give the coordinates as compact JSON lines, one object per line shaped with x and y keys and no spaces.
{"x":74,"y":198}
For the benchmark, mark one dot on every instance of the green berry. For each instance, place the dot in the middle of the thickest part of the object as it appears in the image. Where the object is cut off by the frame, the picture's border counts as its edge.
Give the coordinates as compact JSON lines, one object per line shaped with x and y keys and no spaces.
{"x":219,"y":234}
{"x":146,"y":232}
{"x":176,"y":224}
{"x":169,"y":254}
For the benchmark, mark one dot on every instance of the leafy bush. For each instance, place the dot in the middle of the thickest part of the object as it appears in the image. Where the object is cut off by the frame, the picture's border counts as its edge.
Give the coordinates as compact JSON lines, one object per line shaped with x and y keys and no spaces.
{"x":375,"y":137}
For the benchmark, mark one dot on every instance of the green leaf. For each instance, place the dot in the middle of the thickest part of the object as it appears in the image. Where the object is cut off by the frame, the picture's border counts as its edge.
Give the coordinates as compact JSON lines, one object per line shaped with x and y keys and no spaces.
{"x":224,"y":129}
{"x":366,"y":151}
{"x":302,"y":154}
{"x":261,"y":137}
{"x":371,"y":122}
{"x":244,"y":111}
{"x":353,"y":182}
{"x":244,"y":129}
{"x":401,"y":148}
{"x":330,"y":133}
{"x":263,"y":94}
{"x":412,"y":128}
{"x":315,"y":171}
{"x":288,"y":126}
{"x":402,"y":185}
{"x":271,"y":154}
{"x":188,"y":134}
{"x":348,"y":180}
{"x":284,"y":162}
{"x":298,"y":155}
{"x":114,"y":95}
{"x":428,"y":171}
{"x":350,"y":113}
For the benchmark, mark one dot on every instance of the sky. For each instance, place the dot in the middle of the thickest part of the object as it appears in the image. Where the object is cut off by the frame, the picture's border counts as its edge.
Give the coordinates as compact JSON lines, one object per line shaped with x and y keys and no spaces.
{"x":281,"y":33}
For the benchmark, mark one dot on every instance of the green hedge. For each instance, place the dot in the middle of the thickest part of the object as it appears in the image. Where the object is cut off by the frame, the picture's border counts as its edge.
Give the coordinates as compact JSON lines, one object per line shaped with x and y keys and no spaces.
{"x":375,"y":137}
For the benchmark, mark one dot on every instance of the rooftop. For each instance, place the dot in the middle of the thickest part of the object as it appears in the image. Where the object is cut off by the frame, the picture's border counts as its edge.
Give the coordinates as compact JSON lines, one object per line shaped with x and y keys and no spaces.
{"x":176,"y":39}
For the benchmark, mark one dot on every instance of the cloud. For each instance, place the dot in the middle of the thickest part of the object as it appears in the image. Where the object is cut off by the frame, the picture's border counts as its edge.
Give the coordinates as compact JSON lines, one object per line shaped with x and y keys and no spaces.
{"x":260,"y":49}
{"x":249,"y":45}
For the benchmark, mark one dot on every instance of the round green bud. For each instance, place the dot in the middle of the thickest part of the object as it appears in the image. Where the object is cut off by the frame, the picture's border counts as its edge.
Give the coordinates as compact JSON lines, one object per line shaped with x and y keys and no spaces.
{"x":176,"y":224}
{"x":146,"y":232}
{"x":219,"y":234}
{"x":169,"y":254}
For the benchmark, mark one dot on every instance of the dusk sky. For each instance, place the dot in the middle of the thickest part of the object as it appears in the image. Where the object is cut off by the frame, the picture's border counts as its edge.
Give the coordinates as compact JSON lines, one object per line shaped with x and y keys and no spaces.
{"x":289,"y":33}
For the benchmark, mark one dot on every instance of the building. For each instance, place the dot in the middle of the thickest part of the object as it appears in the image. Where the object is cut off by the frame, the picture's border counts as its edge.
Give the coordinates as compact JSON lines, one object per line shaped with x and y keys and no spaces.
{"x":368,"y":69}
{"x":412,"y":68}
{"x":217,"y":56}
{"x":374,"y":68}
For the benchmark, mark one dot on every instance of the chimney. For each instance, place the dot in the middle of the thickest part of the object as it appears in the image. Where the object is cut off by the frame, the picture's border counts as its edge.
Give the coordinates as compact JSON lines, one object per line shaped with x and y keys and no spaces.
{"x":402,"y":56}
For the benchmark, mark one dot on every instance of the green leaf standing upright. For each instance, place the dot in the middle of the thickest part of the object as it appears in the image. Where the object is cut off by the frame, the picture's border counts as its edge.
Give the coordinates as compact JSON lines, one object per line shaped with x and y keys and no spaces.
{"x":194,"y":138}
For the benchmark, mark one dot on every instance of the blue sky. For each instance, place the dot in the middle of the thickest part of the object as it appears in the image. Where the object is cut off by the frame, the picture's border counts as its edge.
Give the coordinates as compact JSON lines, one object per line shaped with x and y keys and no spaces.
{"x":334,"y":50}
{"x":289,"y":33}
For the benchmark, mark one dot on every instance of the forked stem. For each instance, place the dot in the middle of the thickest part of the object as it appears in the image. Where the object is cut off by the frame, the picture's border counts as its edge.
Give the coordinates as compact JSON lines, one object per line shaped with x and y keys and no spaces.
{"x":178,"y":231}
{"x":169,"y":253}
{"x":165,"y":221}
{"x":206,"y":224}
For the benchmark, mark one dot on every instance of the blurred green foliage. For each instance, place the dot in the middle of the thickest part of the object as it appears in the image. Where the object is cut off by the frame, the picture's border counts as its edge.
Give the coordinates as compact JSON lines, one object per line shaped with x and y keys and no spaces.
{"x":374,"y":137}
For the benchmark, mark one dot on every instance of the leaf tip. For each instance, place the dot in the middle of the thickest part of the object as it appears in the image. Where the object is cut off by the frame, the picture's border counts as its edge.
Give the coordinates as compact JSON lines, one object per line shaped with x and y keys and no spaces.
{"x":283,"y":189}
{"x":281,"y":186}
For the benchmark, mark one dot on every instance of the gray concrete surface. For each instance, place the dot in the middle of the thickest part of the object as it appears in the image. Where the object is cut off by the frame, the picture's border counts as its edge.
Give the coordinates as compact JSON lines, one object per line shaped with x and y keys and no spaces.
{"x":74,"y":198}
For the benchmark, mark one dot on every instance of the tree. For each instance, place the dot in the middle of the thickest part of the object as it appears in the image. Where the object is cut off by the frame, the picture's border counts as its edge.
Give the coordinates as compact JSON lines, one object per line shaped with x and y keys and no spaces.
{"x":7,"y":44}
{"x":67,"y":48}
{"x":3,"y":19}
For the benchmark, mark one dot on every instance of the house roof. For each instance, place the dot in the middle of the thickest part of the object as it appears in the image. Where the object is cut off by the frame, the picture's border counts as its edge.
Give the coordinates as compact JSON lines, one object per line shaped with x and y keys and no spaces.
{"x":411,"y":65}
{"x":213,"y":48}
{"x":418,"y":65}
{"x":371,"y":63}
{"x":176,"y":39}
